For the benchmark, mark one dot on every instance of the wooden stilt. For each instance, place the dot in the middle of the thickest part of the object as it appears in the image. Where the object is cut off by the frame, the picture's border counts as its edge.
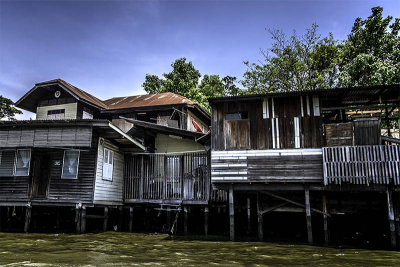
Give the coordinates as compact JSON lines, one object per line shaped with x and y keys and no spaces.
{"x":120,"y":217}
{"x":231,"y":214}
{"x":326,"y":229}
{"x":308,"y":216}
{"x":206,"y":213}
{"x":34,"y":219}
{"x":78,"y":218}
{"x":83,"y":220}
{"x":397,"y":220}
{"x":131,"y":219}
{"x":248,"y":216}
{"x":185,"y":220}
{"x":168,"y":223}
{"x":28,"y":213}
{"x":58,"y":218}
{"x":391,"y":219}
{"x":1,"y":229}
{"x":260,"y":219}
{"x":105,"y":220}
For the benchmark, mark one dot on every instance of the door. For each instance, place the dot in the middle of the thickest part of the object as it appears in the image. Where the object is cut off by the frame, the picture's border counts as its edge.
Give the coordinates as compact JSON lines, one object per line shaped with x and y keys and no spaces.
{"x":41,"y":176}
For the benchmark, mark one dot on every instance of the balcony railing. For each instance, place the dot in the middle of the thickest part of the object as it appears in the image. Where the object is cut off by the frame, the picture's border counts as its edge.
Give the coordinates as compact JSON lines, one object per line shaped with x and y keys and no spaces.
{"x":374,"y":164}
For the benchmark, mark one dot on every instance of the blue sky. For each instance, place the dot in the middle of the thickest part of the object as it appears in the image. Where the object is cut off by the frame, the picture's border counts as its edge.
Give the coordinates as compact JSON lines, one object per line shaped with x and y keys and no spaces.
{"x":107,"y":47}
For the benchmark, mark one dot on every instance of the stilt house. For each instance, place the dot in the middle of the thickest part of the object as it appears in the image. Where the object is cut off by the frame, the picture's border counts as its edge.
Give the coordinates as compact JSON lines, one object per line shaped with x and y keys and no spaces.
{"x":310,"y":151}
{"x":84,"y":152}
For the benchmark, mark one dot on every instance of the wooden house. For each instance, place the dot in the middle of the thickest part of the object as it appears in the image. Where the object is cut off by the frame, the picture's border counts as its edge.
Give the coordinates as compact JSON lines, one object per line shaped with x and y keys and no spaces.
{"x":77,"y":151}
{"x":281,"y":149}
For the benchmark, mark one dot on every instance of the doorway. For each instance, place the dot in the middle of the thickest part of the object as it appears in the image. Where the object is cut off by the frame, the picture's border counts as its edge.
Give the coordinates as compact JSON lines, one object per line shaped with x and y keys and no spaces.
{"x":40,"y":175}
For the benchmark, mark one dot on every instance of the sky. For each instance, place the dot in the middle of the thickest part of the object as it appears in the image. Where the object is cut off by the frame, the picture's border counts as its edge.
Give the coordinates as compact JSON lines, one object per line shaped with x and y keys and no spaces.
{"x":107,"y":47}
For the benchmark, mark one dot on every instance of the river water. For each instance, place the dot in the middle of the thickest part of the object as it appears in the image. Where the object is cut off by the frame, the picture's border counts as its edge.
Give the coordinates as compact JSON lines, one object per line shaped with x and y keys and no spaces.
{"x":125,"y":249}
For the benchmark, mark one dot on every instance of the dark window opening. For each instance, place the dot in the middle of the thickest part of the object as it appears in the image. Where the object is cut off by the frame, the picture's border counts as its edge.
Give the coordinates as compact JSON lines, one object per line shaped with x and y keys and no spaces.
{"x":55,"y":111}
{"x":237,"y":116}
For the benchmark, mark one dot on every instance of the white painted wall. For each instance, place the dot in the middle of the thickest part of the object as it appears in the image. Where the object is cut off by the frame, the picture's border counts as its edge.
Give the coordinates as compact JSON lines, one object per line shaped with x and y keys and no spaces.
{"x":109,"y":191}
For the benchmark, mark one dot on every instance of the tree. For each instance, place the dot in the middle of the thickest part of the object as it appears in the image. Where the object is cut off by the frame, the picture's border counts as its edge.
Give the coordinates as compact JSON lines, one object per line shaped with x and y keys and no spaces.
{"x":296,"y":63}
{"x":184,"y":79}
{"x":371,"y":54}
{"x":7,"y":109}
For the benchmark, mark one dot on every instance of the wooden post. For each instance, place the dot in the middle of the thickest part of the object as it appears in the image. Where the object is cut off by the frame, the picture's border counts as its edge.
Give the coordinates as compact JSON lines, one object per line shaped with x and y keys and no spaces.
{"x":130,"y":219}
{"x":326,"y":229}
{"x":1,"y":229}
{"x":105,"y":220}
{"x":57,"y":218}
{"x":308,"y":215}
{"x":206,"y":212}
{"x":260,"y":219}
{"x":168,"y":220}
{"x":231,"y":214}
{"x":120,"y":217}
{"x":83,"y":220}
{"x":28,"y":213}
{"x":78,"y":208}
{"x":248,"y":216}
{"x":391,"y":219}
{"x":185,"y":220}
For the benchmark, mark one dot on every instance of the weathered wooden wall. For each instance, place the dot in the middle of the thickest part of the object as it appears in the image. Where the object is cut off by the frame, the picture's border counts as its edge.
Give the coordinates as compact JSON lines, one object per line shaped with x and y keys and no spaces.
{"x":108,"y":192}
{"x":367,"y":131}
{"x":167,"y":144}
{"x":298,"y":165}
{"x":362,"y":165}
{"x":71,"y":111}
{"x":47,"y":137}
{"x":276,"y":129}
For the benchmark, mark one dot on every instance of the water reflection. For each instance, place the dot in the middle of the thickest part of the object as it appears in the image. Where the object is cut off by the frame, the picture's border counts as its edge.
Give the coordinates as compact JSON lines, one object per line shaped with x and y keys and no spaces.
{"x":124,"y":249}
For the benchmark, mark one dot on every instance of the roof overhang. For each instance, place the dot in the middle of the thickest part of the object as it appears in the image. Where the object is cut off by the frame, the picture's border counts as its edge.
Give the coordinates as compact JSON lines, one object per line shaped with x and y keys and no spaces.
{"x":163,"y":129}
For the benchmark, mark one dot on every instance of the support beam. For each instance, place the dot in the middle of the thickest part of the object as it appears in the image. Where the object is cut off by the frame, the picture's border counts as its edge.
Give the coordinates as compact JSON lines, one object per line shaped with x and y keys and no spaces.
{"x":326,"y":229}
{"x":308,"y":216}
{"x":248,"y":216}
{"x":28,"y":213}
{"x":231,"y":214}
{"x":260,"y":219}
{"x":206,"y":213}
{"x":130,"y":219}
{"x":391,"y":219}
{"x":105,"y":220}
{"x":78,"y":208}
{"x":185,"y":220}
{"x":294,"y":202}
{"x":120,"y":217}
{"x":83,"y":220}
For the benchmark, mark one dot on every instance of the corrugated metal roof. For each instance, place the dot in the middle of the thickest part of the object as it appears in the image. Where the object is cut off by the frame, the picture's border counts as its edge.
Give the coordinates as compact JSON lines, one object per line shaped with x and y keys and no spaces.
{"x":147,"y":100}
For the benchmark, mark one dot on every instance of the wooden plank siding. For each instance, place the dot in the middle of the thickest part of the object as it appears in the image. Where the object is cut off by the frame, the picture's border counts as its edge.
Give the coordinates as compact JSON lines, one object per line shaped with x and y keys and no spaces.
{"x":269,"y":124}
{"x":267,"y":165}
{"x":47,"y":137}
{"x":376,"y":164}
{"x":106,"y":191}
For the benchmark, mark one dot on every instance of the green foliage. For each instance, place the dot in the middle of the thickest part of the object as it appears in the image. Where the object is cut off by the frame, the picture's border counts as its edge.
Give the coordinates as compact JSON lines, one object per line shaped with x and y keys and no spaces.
{"x":184,"y":79}
{"x":294,"y":63}
{"x":371,"y":54}
{"x":7,"y":109}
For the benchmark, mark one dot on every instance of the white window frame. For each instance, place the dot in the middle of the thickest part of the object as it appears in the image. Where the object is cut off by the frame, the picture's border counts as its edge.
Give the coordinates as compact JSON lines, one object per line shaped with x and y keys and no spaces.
{"x":16,"y":160}
{"x":77,"y":165}
{"x":107,"y":166}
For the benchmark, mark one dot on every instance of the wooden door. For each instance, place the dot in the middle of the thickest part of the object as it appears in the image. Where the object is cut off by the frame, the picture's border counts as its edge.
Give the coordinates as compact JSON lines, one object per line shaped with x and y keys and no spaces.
{"x":40,"y":176}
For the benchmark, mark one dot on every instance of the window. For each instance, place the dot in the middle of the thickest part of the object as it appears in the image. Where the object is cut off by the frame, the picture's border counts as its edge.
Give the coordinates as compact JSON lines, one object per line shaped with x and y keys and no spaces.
{"x":236,"y":116}
{"x":87,"y":114}
{"x":108,"y":164}
{"x":56,"y":114}
{"x":22,"y":162}
{"x":70,"y":164}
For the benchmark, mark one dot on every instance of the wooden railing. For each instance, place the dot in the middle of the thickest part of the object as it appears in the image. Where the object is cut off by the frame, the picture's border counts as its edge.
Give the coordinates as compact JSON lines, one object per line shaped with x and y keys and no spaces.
{"x":377,"y":164}
{"x":159,"y":177}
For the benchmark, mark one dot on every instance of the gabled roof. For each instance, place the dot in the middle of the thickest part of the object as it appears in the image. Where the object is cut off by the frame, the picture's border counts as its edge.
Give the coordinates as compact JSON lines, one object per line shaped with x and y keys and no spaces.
{"x":115,"y":103}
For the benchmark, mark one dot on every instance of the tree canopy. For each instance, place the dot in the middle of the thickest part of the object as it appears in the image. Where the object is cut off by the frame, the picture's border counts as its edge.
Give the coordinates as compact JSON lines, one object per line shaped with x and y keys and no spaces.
{"x":186,"y":80}
{"x":369,"y":56}
{"x":7,"y":109}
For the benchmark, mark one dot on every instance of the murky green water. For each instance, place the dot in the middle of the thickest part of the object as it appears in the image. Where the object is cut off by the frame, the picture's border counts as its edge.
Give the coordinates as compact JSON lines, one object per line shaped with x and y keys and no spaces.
{"x":124,"y":249}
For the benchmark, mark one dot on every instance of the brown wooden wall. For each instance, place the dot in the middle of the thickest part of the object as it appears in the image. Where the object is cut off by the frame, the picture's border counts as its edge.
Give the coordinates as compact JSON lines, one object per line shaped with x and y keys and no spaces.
{"x":256,"y":131}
